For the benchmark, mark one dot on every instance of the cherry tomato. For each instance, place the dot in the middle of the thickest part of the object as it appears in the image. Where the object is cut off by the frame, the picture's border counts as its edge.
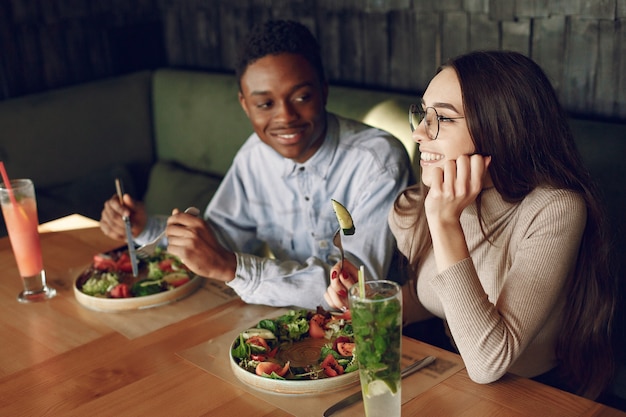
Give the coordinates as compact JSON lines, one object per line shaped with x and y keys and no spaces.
{"x":269,"y":367}
{"x":331,"y":367}
{"x":126,"y":266}
{"x":273,"y":352}
{"x":258,"y":341}
{"x":166,"y":265}
{"x":104,"y":262}
{"x":345,"y":348}
{"x":123,"y":263}
{"x":346,"y":315}
{"x":176,"y":279}
{"x":124,"y":257}
{"x":316,"y":326}
{"x":340,"y":339}
{"x":121,"y":291}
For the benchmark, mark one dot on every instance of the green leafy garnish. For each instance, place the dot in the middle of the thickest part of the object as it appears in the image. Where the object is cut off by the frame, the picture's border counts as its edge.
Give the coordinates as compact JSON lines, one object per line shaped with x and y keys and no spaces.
{"x":383,"y":343}
{"x":146,"y":287}
{"x":100,"y":284}
{"x":242,"y":350}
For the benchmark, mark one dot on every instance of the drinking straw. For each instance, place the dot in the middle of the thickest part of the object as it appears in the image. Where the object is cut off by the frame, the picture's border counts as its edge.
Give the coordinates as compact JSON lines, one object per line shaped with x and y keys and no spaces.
{"x":7,"y":183}
{"x":362,"y":281}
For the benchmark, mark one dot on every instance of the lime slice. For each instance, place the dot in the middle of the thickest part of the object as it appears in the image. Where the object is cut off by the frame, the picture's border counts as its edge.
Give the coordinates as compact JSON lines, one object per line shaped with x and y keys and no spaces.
{"x":378,"y":387}
{"x":264,"y":333}
{"x":343,"y":217}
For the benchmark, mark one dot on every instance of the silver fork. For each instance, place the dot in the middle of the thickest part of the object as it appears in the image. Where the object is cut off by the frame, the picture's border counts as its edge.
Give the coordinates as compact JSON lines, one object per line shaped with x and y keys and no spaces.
{"x":147,"y":250}
{"x":339,"y":245}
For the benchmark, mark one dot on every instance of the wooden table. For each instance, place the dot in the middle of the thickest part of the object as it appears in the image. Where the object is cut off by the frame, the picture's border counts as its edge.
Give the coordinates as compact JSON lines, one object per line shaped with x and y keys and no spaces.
{"x":59,"y":359}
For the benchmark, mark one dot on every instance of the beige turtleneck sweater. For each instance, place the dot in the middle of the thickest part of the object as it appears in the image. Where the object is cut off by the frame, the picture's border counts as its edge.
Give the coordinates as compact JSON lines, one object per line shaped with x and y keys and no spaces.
{"x":503,"y":305}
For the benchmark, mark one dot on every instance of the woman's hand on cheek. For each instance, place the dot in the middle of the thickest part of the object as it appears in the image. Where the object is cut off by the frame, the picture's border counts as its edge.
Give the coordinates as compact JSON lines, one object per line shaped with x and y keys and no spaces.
{"x":455,"y":186}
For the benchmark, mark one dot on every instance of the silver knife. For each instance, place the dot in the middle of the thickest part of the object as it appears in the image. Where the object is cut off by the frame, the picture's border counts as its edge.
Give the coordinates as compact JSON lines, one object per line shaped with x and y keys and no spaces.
{"x":358,"y":396}
{"x":129,"y":233}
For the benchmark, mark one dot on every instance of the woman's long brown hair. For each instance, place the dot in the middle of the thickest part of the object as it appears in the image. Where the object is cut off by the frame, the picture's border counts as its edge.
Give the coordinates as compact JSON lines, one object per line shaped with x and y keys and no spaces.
{"x":514,"y":115}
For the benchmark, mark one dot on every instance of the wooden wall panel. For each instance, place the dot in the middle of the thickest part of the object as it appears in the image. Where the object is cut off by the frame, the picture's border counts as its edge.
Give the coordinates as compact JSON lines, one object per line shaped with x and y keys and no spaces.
{"x":403,"y":47}
{"x":516,"y":36}
{"x":566,"y":7}
{"x":455,"y":34}
{"x":484,"y":33}
{"x":376,"y":49}
{"x":351,"y":69}
{"x":620,"y":69}
{"x":386,"y":44}
{"x":532,"y":8}
{"x":427,"y":51}
{"x":548,"y":47}
{"x":502,"y":10}
{"x":581,"y":59}
{"x":599,"y":9}
{"x":477,"y":6}
{"x":331,"y":51}
{"x":604,"y":92}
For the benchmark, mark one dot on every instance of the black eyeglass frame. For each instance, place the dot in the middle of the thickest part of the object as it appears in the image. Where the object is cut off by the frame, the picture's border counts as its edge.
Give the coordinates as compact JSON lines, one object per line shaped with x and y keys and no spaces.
{"x":420,"y":113}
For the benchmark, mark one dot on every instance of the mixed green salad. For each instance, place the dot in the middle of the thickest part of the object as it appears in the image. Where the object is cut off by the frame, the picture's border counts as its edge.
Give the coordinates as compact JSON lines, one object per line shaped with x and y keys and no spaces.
{"x":256,"y":349}
{"x":110,"y":275}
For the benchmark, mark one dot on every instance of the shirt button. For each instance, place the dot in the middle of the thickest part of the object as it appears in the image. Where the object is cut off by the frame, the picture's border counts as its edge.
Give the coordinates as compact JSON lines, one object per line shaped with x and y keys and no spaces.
{"x":306,"y":198}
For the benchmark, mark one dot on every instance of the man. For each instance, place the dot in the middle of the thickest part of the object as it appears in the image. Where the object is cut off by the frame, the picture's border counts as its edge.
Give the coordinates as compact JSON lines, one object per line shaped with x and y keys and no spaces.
{"x":279,"y":188}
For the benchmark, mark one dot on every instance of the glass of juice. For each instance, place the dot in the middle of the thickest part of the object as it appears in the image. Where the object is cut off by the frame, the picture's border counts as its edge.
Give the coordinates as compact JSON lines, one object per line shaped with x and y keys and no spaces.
{"x":19,"y":208}
{"x":377,"y":323}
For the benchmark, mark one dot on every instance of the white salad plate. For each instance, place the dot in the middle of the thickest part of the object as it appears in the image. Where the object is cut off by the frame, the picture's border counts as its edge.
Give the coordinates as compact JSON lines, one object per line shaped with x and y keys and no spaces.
{"x":133,"y":303}
{"x":301,"y":353}
{"x":136,"y":303}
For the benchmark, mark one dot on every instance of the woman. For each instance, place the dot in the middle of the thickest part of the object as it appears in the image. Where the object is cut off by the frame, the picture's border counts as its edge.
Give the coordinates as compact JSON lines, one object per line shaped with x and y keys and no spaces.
{"x":504,"y":238}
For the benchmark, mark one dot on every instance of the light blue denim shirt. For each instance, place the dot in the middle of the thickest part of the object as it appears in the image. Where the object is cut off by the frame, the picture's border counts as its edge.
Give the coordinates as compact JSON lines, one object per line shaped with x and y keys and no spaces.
{"x":265,"y":197}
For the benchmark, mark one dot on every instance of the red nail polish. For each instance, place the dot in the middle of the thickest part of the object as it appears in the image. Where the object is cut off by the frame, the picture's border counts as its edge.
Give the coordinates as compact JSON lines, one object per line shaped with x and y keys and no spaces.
{"x":345,"y":275}
{"x":333,"y":275}
{"x":342,"y":293}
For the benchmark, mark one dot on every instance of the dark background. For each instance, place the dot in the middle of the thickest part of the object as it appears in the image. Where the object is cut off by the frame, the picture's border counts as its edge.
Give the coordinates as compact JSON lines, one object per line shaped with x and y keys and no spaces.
{"x":393,"y":45}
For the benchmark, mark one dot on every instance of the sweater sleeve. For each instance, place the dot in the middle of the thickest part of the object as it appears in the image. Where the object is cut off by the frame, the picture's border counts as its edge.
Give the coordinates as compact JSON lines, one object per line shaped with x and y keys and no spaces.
{"x":491,"y":335}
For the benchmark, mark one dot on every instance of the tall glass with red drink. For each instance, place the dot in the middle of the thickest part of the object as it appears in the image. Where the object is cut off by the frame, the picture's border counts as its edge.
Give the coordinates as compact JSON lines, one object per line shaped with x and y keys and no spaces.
{"x":19,"y":208}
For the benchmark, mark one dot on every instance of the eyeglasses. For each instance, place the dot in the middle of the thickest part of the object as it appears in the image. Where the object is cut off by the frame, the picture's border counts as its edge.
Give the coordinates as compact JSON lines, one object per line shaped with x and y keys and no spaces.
{"x":417,"y":114}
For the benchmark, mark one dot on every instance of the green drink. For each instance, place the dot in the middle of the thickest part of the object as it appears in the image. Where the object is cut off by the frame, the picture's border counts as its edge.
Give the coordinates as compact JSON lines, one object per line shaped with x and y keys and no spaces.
{"x":377,"y":326}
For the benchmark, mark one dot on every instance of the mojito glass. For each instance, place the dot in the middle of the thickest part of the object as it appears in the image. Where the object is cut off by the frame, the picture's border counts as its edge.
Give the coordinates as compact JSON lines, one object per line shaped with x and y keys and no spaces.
{"x":377,"y":325}
{"x":19,"y":208}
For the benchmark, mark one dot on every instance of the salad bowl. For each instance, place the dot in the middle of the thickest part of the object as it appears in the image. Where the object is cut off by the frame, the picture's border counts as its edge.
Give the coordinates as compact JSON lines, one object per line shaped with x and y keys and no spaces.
{"x":184,"y":283}
{"x":306,"y":352}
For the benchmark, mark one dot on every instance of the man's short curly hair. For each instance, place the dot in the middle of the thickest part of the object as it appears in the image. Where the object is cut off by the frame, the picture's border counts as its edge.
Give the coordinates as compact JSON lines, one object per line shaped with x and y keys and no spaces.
{"x":276,"y":37}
